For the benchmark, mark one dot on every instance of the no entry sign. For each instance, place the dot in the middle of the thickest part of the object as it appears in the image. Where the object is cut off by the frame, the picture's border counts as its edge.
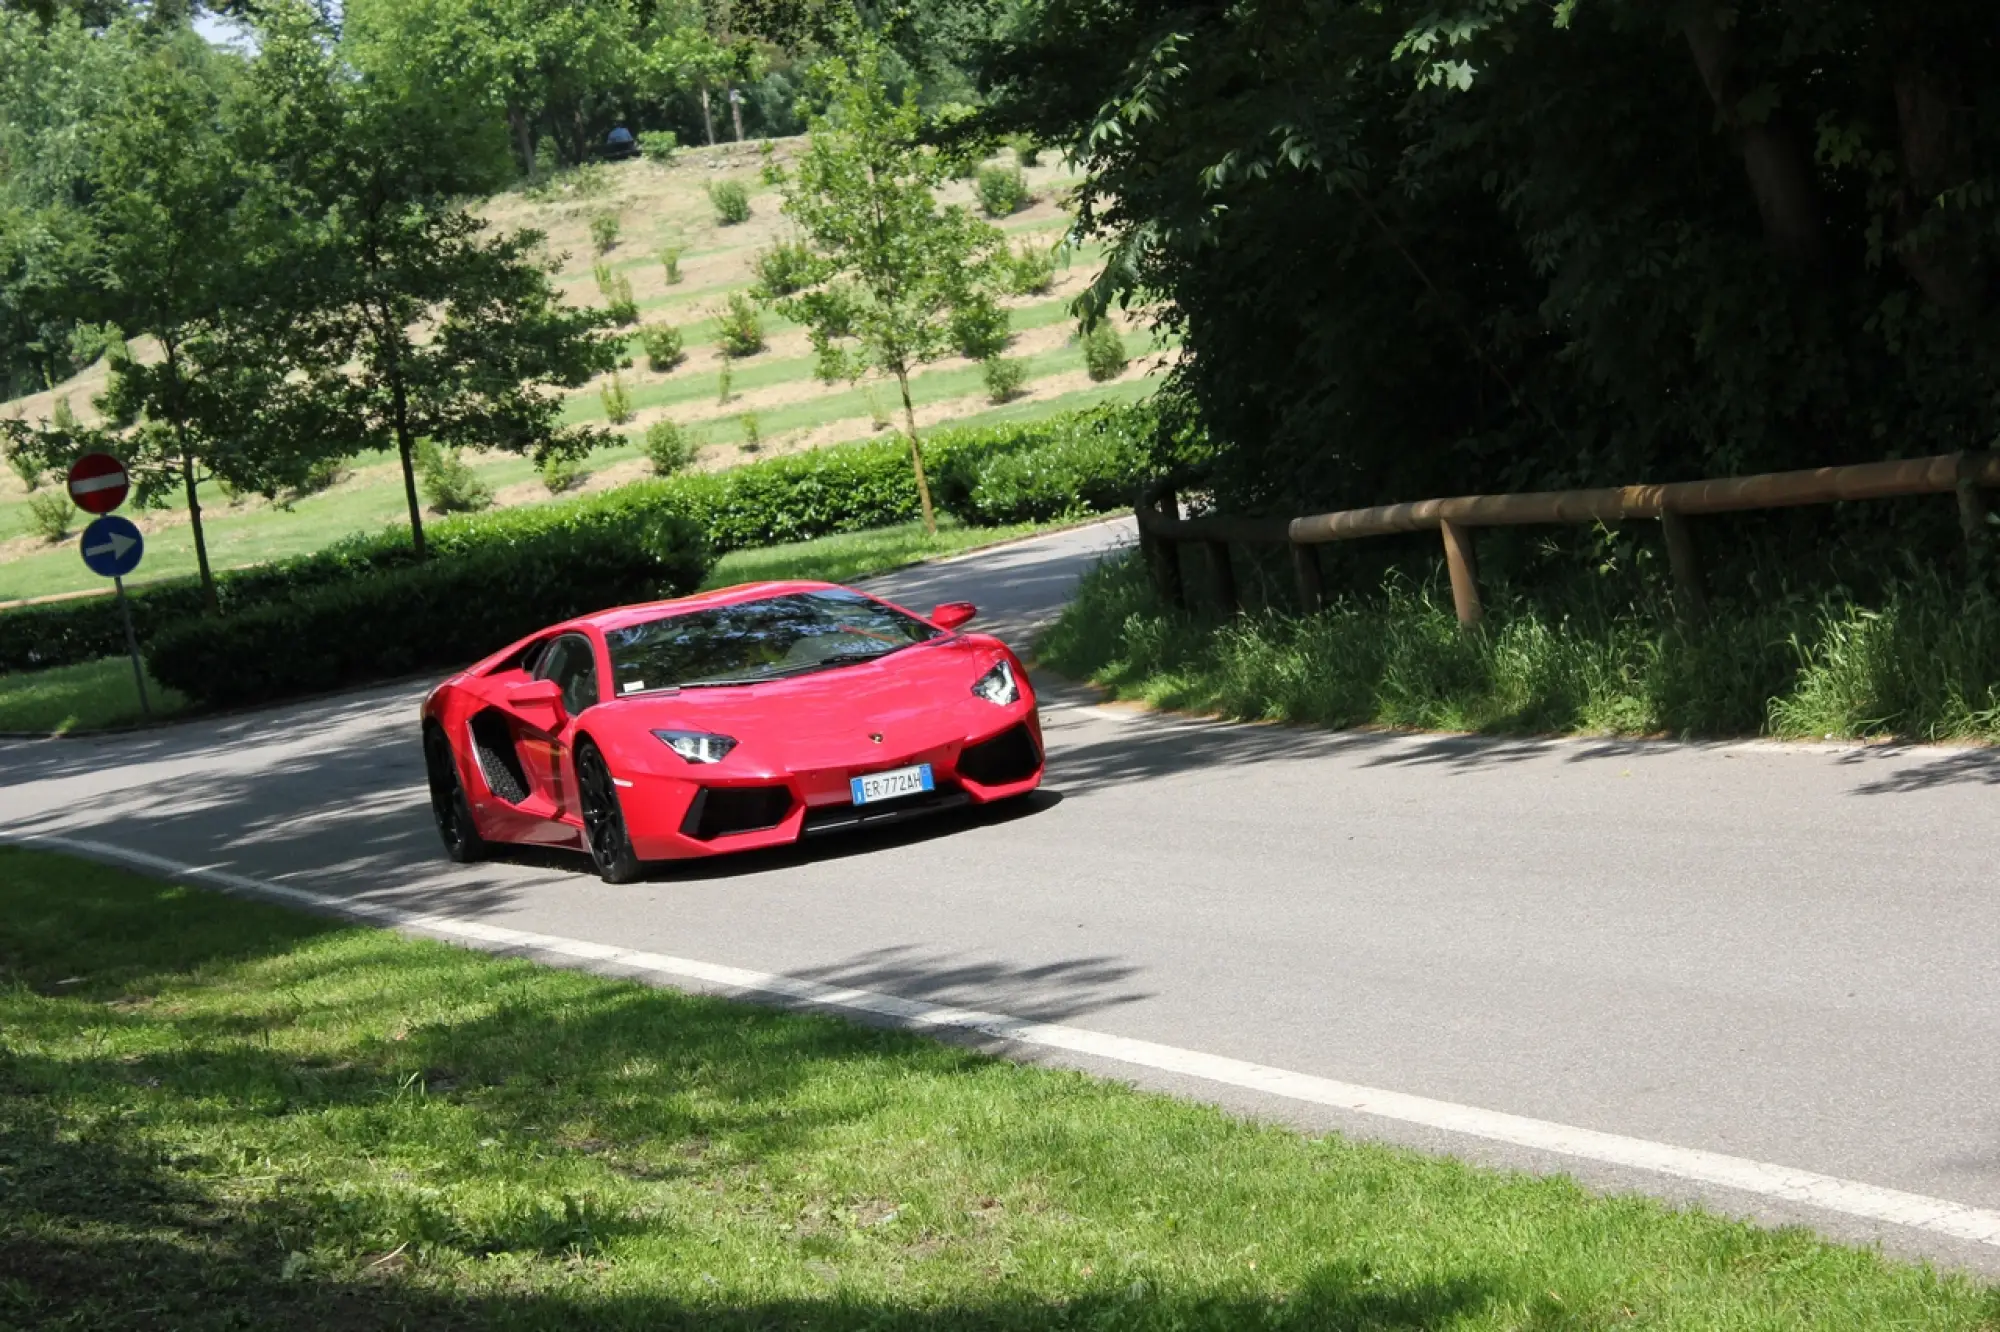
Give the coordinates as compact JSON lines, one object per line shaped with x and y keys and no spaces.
{"x":98,"y":483}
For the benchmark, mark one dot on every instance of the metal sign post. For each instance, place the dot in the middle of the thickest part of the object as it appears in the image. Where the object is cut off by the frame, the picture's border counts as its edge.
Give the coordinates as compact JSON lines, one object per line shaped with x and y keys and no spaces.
{"x":132,"y":646}
{"x":112,"y":547}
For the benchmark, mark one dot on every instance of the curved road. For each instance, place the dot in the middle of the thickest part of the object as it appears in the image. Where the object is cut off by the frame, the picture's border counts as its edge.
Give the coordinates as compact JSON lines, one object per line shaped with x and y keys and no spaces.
{"x":1693,"y":970}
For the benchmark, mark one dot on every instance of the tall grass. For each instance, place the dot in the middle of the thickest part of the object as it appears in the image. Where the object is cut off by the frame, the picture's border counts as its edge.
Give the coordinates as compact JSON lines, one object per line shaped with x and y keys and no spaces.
{"x":1924,"y":664}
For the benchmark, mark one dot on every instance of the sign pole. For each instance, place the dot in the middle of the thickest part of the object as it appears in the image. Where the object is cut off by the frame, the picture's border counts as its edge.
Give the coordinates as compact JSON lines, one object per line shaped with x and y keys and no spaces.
{"x":132,"y":646}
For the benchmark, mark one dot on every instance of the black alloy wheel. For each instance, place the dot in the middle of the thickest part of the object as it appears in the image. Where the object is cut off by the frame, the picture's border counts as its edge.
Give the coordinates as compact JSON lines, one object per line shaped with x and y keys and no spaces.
{"x":449,"y":805}
{"x":603,"y":821}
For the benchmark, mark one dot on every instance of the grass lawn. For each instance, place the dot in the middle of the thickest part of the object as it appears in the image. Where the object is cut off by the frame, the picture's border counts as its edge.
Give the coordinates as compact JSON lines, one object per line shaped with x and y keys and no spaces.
{"x":101,"y":693}
{"x":84,"y":697}
{"x":220,"y":1114}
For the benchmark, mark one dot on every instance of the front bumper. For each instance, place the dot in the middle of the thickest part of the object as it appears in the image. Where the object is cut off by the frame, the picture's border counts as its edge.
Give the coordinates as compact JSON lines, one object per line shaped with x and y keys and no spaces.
{"x":739,"y":807}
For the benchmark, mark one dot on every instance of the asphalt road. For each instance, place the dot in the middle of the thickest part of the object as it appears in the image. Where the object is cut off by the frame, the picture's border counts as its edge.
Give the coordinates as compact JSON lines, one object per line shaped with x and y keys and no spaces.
{"x":1784,"y":954}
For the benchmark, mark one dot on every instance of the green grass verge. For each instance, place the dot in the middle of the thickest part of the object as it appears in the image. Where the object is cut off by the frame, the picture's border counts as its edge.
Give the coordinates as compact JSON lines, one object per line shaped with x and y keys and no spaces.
{"x":1924,"y":665}
{"x":219,"y":1114}
{"x":86,"y":697}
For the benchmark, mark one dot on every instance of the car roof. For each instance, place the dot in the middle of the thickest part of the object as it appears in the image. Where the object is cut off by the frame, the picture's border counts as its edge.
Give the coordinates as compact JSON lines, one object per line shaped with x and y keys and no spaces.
{"x":620,"y":617}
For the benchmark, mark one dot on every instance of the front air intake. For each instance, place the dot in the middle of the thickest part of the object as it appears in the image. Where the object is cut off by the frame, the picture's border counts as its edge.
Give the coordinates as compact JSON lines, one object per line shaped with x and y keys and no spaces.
{"x":1010,"y":756}
{"x":719,"y":811}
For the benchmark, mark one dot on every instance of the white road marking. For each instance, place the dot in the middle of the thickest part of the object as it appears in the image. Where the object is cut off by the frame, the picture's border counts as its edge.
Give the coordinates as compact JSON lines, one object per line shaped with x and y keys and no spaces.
{"x":1845,"y":1196}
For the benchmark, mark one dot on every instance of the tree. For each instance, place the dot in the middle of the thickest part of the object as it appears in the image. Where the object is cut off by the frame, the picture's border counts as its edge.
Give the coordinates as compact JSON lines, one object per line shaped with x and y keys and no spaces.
{"x":422,"y":324}
{"x":891,"y":274}
{"x":183,"y":234}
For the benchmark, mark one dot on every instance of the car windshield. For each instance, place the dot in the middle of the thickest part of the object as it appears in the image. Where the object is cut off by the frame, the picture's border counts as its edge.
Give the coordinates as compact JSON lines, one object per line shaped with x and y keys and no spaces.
{"x":766,"y":639}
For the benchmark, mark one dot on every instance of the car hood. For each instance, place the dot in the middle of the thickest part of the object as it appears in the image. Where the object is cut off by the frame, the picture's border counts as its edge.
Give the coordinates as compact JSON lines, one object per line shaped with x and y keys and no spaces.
{"x":916,"y":698}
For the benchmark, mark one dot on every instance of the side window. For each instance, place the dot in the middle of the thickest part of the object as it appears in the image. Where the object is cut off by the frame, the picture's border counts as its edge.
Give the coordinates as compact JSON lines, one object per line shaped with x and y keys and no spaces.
{"x":573,"y":666}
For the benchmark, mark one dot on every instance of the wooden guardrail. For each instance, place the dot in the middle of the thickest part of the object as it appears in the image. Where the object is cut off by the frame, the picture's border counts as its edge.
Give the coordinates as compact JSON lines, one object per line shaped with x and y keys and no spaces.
{"x":1162,"y":531}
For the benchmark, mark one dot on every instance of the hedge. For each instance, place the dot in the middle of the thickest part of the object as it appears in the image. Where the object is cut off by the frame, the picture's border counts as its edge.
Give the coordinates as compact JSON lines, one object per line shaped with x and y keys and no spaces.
{"x":441,"y":613}
{"x":985,"y":475}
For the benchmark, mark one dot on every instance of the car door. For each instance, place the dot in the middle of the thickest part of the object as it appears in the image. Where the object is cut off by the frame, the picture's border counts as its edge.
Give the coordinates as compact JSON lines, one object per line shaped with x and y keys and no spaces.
{"x":571,"y":663}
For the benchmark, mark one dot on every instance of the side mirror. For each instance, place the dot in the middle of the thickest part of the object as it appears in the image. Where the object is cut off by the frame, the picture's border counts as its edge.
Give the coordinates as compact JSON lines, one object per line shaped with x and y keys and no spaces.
{"x":539,"y":696}
{"x":952,"y":614}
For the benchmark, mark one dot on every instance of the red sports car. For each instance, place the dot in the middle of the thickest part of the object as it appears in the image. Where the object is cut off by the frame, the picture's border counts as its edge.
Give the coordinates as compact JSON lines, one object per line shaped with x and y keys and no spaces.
{"x":721,"y":722}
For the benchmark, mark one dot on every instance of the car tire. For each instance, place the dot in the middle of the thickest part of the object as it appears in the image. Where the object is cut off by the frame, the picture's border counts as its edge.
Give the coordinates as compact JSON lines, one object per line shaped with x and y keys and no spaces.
{"x":604,"y":833}
{"x":449,"y":805}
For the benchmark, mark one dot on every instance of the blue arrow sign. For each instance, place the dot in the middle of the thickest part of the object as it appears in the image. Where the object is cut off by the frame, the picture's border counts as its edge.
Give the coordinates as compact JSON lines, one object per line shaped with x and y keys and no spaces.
{"x":112,"y":546}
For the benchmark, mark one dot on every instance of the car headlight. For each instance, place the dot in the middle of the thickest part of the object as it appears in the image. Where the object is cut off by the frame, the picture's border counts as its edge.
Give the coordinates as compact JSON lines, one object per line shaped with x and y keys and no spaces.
{"x":998,"y":685}
{"x":698,"y":746}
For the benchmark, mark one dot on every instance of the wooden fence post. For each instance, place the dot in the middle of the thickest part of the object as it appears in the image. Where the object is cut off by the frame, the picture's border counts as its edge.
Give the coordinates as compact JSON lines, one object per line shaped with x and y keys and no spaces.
{"x":1305,"y":567}
{"x":1225,"y":577}
{"x":1972,"y":516}
{"x":1464,"y":569}
{"x":1689,"y":598}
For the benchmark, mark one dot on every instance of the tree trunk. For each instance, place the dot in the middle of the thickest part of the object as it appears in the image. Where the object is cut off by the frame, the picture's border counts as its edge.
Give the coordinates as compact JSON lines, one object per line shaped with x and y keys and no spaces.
{"x":707,"y":117}
{"x":735,"y":111}
{"x":1945,"y":259}
{"x":209,"y":601}
{"x":524,"y":139}
{"x":406,"y":446}
{"x":1780,"y":174}
{"x":917,"y":453}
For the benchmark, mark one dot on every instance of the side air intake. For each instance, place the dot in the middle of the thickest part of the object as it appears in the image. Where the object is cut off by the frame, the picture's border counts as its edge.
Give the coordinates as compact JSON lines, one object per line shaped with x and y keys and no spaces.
{"x":1008,"y":757}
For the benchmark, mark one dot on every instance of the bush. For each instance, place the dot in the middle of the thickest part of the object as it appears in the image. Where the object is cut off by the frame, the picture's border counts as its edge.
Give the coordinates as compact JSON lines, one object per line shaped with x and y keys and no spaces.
{"x":731,"y":202}
{"x":722,"y":379}
{"x":769,"y":169}
{"x":670,"y":259}
{"x":739,"y":328}
{"x":663,"y":346}
{"x":26,"y":468}
{"x":752,"y":439}
{"x":1104,"y":352}
{"x":1031,"y":270}
{"x":560,"y":474}
{"x":617,"y":400}
{"x":449,"y":482}
{"x":616,"y":289}
{"x":604,"y":232}
{"x":49,"y":513}
{"x":785,"y":268}
{"x":444,"y":613}
{"x":1026,"y":151}
{"x":1036,"y":471}
{"x":659,"y":145}
{"x":669,"y":448}
{"x":792,"y":497}
{"x":1002,"y":190}
{"x":980,"y":330}
{"x":1004,"y":377}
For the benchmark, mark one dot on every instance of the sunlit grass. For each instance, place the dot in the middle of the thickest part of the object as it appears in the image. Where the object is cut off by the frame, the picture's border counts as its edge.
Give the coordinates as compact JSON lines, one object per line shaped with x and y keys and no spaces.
{"x":88,"y":696}
{"x":217,"y":1114}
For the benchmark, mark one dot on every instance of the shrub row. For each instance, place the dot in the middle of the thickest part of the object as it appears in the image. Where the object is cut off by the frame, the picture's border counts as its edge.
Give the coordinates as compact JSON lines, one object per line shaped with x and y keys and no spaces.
{"x":985,"y":475}
{"x":443,"y":613}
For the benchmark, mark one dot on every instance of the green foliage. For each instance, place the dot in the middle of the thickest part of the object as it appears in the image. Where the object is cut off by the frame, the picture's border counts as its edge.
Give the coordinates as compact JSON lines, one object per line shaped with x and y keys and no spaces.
{"x":1083,"y":462}
{"x":604,"y":228}
{"x":1027,"y":152}
{"x":669,"y":448}
{"x":449,"y":610}
{"x":980,"y":330}
{"x":1004,"y":376}
{"x":664,"y":349}
{"x":449,"y":482}
{"x":670,"y":260}
{"x":769,"y":169}
{"x":1002,"y":190}
{"x":785,"y":269}
{"x":897,"y":268}
{"x":26,"y":465}
{"x":731,"y":202}
{"x":739,"y":329}
{"x":1104,"y":351}
{"x":722,"y":381}
{"x":1031,"y":270}
{"x":561,"y":474}
{"x":752,"y":439}
{"x":659,"y":145}
{"x":791,"y":497}
{"x":1926,"y":665}
{"x":616,"y":288}
{"x":50,"y":514}
{"x":617,"y":400}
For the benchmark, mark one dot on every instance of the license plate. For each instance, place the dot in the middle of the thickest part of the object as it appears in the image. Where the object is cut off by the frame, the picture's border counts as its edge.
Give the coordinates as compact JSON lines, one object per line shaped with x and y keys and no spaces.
{"x":891,"y":784}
